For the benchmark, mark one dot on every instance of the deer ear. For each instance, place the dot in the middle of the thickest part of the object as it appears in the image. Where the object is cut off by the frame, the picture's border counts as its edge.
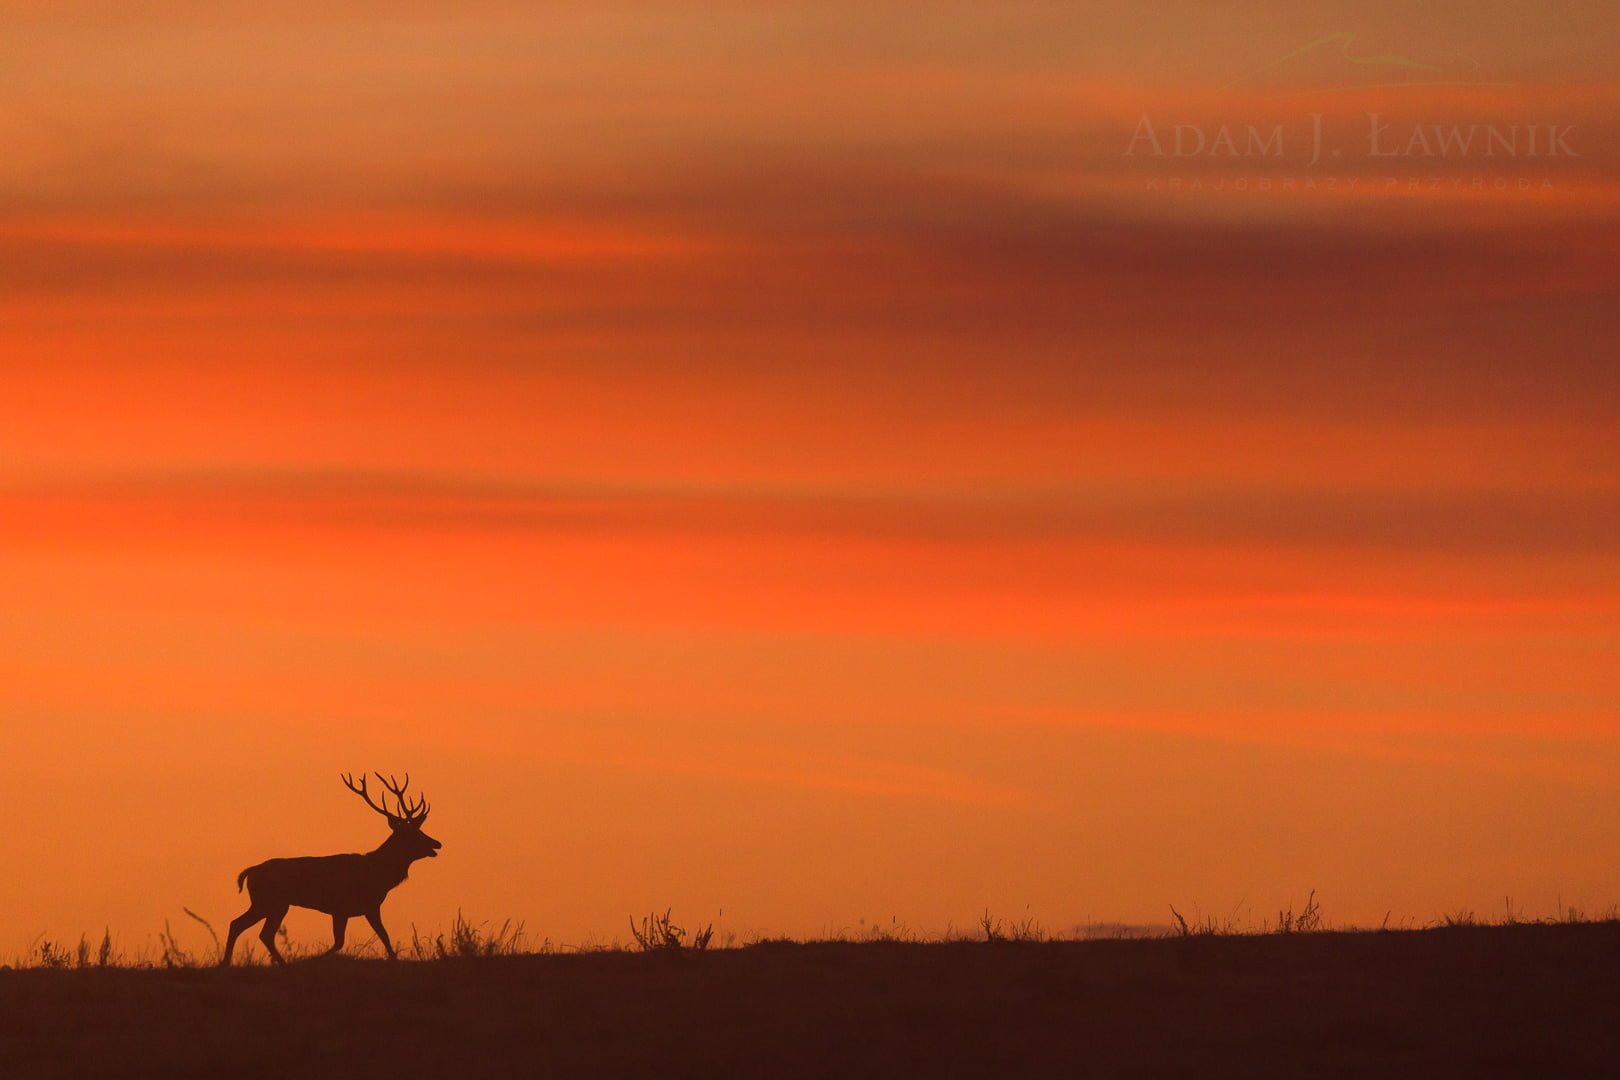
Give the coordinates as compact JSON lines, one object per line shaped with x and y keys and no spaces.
{"x":423,"y":819}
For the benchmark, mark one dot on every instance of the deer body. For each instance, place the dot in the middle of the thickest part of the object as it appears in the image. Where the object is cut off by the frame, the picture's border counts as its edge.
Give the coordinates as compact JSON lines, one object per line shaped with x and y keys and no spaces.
{"x":342,"y":886}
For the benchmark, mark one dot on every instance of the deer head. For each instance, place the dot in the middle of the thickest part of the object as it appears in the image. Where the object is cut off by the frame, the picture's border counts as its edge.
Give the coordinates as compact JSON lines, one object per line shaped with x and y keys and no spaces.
{"x":408,"y":836}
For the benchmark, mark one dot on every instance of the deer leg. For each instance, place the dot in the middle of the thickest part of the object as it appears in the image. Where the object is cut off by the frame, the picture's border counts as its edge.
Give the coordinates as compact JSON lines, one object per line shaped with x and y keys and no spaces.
{"x":375,"y":919}
{"x":272,"y":923}
{"x":340,"y":923}
{"x":238,"y":924}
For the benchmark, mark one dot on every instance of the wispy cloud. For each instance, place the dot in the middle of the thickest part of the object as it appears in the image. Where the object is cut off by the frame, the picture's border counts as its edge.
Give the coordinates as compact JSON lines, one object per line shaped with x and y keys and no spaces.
{"x":1437,"y":522}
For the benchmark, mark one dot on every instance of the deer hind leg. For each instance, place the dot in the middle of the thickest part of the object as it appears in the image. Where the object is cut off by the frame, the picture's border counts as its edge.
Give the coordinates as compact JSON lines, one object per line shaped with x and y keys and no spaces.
{"x":238,"y":925}
{"x":272,"y":923}
{"x":375,"y":919}
{"x":340,"y":923}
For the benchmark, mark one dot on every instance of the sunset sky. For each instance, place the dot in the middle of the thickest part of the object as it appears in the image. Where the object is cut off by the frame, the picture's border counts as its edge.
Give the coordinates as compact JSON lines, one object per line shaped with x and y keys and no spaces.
{"x":813,"y":462}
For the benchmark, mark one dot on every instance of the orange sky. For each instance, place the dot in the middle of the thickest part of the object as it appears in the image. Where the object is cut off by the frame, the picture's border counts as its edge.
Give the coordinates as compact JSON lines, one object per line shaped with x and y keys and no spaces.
{"x":791,"y":459}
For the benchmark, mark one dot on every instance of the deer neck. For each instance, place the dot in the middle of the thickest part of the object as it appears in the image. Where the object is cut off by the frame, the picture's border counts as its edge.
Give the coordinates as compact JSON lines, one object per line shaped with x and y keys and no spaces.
{"x":392,"y":860}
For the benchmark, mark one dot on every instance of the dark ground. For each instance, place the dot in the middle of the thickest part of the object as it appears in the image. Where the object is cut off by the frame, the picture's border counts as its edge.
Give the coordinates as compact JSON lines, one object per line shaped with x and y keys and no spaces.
{"x":1529,"y":1000}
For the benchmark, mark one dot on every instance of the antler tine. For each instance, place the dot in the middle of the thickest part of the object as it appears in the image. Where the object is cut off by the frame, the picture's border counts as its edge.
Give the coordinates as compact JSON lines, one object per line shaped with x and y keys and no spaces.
{"x":407,"y":810}
{"x":414,"y":810}
{"x":393,"y":786}
{"x":348,"y":782}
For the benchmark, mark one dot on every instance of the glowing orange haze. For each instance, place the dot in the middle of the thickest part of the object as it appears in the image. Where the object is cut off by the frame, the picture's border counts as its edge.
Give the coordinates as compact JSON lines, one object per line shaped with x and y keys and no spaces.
{"x":764,"y":459}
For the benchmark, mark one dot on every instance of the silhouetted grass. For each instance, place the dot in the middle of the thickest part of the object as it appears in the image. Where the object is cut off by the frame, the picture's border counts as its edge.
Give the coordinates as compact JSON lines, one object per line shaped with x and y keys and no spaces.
{"x":55,"y":956}
{"x":1456,"y":998}
{"x":660,"y":933}
{"x":468,"y":940}
{"x":1002,"y":931}
{"x":657,"y":933}
{"x":1307,"y":921}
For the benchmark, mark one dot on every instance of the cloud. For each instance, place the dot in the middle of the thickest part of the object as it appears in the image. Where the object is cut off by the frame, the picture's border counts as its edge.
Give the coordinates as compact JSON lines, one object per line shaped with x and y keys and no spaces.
{"x":1010,"y":301}
{"x":1451,"y":522}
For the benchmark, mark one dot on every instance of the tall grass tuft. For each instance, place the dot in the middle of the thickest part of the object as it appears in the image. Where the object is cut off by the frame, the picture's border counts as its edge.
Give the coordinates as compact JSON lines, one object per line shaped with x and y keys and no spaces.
{"x":468,"y":940}
{"x":219,"y":949}
{"x":1207,"y":928}
{"x":999,"y":931}
{"x":173,"y":954}
{"x":1308,"y":921}
{"x":657,"y":933}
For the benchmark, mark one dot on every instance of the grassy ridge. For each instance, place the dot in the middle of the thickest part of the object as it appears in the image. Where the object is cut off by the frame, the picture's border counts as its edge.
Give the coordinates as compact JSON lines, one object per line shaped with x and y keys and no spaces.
{"x":1463,"y":1000}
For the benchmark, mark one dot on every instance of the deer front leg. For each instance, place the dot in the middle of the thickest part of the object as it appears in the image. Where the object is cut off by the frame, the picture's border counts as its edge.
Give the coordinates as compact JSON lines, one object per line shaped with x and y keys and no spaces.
{"x":340,"y":923}
{"x":374,"y":917}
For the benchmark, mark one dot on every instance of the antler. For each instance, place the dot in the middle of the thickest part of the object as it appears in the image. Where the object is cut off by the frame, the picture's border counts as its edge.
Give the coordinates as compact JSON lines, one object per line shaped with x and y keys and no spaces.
{"x":348,"y":782}
{"x":408,"y":811}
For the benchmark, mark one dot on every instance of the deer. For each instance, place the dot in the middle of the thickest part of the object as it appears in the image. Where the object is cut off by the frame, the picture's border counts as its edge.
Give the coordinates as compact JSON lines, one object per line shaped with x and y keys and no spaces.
{"x":342,"y":886}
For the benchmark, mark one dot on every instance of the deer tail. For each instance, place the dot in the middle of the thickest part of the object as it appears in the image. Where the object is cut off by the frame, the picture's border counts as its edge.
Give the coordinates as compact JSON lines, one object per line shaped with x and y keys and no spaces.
{"x":240,"y":878}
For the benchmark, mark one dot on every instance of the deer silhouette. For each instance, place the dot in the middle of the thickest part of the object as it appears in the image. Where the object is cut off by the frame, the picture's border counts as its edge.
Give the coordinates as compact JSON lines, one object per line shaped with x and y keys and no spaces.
{"x":342,"y":886}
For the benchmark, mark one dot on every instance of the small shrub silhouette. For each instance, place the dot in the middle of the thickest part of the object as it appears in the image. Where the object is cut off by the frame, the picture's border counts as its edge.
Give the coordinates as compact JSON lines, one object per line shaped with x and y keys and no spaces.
{"x":1308,"y":921}
{"x":657,"y":933}
{"x":1208,"y":928}
{"x":48,"y":954}
{"x":53,"y":955}
{"x":997,"y":931}
{"x":468,"y":940}
{"x":894,"y":930}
